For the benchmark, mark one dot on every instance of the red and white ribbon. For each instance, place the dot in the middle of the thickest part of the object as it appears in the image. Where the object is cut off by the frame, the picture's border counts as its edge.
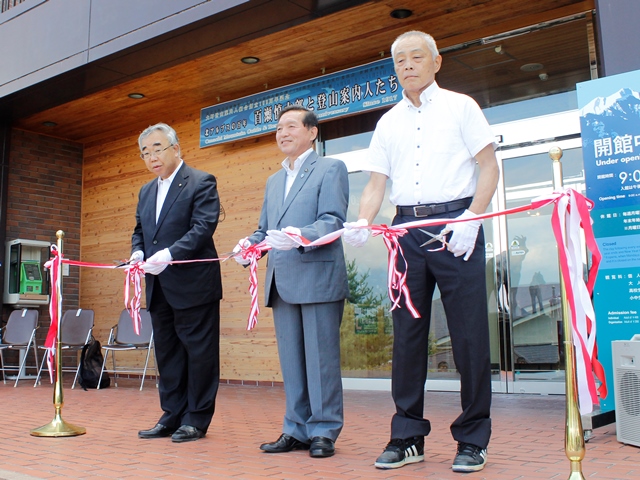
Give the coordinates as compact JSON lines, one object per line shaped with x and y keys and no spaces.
{"x":50,"y":343}
{"x":570,"y":215}
{"x":132,"y":303}
{"x":253,"y":254}
{"x":571,"y":211}
{"x":396,"y":280}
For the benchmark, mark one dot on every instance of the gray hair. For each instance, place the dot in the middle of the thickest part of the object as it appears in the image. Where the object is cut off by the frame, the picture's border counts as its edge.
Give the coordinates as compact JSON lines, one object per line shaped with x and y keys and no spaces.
{"x":169,"y":132}
{"x":431,"y":43}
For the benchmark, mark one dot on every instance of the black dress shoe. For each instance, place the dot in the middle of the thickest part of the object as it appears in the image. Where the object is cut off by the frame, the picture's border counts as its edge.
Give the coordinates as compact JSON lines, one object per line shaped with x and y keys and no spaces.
{"x":187,"y":433}
{"x":158,"y":431}
{"x":285,"y":443}
{"x":322,"y":447}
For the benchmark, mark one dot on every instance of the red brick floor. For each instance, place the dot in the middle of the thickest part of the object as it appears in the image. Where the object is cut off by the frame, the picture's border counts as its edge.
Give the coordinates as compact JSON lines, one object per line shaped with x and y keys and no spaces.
{"x":527,"y":442}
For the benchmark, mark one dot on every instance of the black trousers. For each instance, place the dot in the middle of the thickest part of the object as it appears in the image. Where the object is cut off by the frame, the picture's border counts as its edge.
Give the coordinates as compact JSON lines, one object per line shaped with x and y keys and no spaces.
{"x":462,"y":287}
{"x":187,"y":348}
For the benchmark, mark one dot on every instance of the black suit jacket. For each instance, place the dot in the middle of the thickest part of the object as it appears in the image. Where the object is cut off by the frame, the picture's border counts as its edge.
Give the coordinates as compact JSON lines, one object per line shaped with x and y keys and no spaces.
{"x":188,"y":218}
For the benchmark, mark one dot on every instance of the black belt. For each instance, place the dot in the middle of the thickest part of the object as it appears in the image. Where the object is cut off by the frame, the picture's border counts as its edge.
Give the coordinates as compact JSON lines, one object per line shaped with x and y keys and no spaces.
{"x":433,"y":209}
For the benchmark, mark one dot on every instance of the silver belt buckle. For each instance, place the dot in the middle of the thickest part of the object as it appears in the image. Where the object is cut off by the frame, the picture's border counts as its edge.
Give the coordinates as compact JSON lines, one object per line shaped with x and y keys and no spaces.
{"x":415,"y":211}
{"x":428,"y":210}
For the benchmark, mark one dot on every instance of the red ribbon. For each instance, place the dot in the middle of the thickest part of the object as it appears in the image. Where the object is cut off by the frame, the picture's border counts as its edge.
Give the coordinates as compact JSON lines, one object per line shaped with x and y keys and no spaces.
{"x":583,"y":328}
{"x":396,"y":280}
{"x":582,"y":324}
{"x":134,"y":276}
{"x":53,"y":264}
{"x":253,"y":254}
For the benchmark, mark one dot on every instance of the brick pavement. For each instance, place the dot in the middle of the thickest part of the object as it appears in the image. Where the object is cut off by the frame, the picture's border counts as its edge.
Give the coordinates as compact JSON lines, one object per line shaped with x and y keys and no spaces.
{"x":527,"y":442}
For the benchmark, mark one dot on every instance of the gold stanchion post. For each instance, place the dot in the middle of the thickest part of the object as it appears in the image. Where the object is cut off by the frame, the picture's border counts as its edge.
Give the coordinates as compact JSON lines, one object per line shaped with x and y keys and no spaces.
{"x":58,"y":427}
{"x":573,"y":435}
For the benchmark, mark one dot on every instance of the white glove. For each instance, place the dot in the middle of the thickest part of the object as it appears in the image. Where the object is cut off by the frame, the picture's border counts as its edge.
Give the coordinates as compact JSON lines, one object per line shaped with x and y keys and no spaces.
{"x":463,"y":238}
{"x":161,"y":256}
{"x":280,"y":240}
{"x":136,"y":256}
{"x":356,"y":237}
{"x":242,"y":243}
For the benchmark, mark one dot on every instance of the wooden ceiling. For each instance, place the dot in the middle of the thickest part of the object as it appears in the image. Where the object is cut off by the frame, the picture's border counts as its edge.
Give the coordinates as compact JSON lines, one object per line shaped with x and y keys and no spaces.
{"x":354,"y":36}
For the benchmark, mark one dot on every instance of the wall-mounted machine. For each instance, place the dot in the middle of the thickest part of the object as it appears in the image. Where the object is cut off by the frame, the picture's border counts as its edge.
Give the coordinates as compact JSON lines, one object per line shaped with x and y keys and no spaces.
{"x":25,"y":280}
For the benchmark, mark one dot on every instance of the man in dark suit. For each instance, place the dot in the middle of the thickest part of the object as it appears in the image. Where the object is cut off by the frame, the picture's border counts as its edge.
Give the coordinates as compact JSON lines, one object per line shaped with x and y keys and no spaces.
{"x":306,"y":286}
{"x":176,"y":216}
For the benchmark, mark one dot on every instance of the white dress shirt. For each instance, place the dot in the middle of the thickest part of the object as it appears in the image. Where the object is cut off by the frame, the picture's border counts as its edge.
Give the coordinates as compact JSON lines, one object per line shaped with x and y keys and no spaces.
{"x":293,"y":173}
{"x":163,"y":189}
{"x":428,"y":151}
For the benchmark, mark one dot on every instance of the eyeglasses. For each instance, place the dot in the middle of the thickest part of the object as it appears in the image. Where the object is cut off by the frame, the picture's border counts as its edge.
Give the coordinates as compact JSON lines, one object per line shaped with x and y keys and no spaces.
{"x":155,"y":153}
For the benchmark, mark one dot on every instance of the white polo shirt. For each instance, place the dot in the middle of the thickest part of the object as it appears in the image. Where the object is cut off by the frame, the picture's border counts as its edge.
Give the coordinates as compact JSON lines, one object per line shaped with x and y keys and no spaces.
{"x":428,"y":152}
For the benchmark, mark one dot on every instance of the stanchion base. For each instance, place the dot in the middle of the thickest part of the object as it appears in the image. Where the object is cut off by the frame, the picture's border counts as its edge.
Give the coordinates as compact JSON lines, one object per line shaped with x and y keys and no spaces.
{"x":58,"y":428}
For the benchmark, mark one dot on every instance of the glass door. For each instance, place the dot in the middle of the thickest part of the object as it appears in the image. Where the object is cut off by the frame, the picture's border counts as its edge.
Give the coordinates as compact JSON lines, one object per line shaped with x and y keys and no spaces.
{"x":522,"y":256}
{"x":521,"y":270}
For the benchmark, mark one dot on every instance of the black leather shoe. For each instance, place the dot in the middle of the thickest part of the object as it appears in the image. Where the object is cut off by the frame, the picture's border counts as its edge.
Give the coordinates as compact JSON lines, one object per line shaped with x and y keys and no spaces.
{"x":159,"y":431}
{"x":187,"y":433}
{"x":285,"y":443}
{"x":322,"y":447}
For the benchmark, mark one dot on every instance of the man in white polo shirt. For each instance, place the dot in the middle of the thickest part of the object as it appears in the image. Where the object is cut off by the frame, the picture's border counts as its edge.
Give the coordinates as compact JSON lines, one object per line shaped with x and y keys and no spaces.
{"x":429,"y":145}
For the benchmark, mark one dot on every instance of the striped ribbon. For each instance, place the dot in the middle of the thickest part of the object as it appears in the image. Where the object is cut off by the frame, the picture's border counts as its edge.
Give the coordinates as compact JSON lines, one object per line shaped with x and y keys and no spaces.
{"x":133,"y":276}
{"x":571,"y":210}
{"x":253,"y":254}
{"x":396,"y":280}
{"x":53,"y":264}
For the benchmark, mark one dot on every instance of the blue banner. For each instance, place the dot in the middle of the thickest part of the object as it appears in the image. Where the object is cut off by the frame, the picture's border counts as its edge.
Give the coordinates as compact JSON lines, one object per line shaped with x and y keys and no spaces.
{"x":610,"y":125}
{"x":358,"y":89}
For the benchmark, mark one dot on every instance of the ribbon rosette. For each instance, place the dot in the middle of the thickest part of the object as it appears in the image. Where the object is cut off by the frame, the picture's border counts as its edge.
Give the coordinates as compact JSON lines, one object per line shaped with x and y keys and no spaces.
{"x":253,"y":254}
{"x":396,"y":280}
{"x":134,"y":274}
{"x":571,"y":213}
{"x":53,"y":264}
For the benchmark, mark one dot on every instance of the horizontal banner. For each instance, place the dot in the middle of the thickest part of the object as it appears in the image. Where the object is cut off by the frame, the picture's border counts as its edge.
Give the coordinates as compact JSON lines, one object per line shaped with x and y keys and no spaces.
{"x":358,"y":89}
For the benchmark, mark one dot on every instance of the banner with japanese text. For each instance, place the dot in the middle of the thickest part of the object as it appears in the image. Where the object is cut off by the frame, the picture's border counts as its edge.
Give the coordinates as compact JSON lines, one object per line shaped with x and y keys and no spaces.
{"x":358,"y":89}
{"x":610,"y":125}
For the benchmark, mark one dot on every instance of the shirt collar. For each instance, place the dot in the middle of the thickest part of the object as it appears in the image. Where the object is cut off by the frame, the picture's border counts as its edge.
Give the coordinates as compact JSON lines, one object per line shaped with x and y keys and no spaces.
{"x":297,"y":164}
{"x":169,"y":179}
{"x":427,"y":96}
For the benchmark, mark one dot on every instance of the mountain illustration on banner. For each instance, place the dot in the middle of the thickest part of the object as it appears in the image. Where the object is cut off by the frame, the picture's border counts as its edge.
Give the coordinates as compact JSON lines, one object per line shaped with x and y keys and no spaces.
{"x":610,"y":116}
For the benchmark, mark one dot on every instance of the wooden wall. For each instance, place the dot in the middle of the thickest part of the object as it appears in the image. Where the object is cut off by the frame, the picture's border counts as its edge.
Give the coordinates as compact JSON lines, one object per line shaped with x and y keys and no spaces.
{"x":113,"y":175}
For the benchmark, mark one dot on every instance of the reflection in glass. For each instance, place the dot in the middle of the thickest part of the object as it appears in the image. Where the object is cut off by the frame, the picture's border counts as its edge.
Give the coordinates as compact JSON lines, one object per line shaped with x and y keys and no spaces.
{"x":367,"y":328}
{"x":366,"y":334}
{"x":528,"y":271}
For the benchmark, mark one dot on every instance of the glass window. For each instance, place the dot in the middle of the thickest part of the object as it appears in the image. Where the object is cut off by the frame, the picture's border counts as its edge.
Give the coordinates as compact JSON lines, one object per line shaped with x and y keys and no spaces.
{"x":366,"y":334}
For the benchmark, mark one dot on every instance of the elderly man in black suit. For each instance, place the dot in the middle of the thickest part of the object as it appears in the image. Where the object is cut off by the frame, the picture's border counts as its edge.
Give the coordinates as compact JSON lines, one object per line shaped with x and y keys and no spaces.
{"x":176,"y":216}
